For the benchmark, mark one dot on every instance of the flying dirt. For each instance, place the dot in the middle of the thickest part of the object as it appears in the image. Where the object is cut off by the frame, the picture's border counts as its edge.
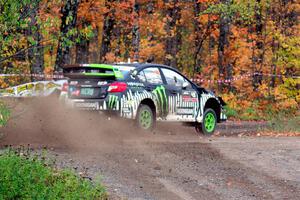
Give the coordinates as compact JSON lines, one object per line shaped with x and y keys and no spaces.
{"x":46,"y":122}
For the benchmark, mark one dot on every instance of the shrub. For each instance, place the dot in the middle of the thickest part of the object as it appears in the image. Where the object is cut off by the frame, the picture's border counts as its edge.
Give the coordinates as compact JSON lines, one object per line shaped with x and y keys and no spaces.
{"x":262,"y":108}
{"x":26,"y":177}
{"x":4,"y":114}
{"x":231,"y":113}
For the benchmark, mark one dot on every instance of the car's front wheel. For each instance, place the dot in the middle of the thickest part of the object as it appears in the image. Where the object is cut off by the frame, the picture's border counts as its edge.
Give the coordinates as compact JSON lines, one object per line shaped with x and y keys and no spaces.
{"x":145,"y":117}
{"x":209,"y":122}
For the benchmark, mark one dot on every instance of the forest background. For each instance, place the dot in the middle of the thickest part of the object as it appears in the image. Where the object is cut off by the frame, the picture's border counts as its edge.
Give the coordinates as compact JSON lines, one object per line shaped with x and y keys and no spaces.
{"x":247,"y":51}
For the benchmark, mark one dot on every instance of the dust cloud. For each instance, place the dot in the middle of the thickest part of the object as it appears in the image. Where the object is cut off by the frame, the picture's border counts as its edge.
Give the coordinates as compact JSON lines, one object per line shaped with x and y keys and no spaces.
{"x":46,"y":122}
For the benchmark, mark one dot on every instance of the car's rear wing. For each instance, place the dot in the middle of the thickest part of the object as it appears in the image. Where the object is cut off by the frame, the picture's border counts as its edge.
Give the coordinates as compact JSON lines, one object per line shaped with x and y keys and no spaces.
{"x":103,"y":71}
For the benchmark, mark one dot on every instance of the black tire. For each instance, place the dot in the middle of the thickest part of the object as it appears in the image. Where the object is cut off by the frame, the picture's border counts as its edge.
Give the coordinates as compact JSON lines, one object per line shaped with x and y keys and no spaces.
{"x":209,"y":123}
{"x":145,"y":118}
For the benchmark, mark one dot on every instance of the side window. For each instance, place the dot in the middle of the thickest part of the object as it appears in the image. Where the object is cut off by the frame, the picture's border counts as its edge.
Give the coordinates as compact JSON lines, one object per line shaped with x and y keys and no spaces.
{"x":152,"y":75}
{"x":141,"y":76}
{"x":173,"y":78}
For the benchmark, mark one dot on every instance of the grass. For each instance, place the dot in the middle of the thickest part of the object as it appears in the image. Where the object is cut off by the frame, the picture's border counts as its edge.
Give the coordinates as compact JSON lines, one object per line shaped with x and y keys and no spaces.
{"x":255,"y":114}
{"x":27,"y":177}
{"x":247,"y":114}
{"x":4,"y":114}
{"x":284,"y":125}
{"x":285,"y":121}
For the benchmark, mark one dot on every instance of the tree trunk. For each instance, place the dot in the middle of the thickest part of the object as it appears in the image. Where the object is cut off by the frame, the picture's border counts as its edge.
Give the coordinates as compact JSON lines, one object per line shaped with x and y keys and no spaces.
{"x":108,"y":27}
{"x":257,"y":57}
{"x":82,"y":52}
{"x":68,"y":22}
{"x":150,"y":36}
{"x":197,"y":30}
{"x":93,"y":47}
{"x":35,"y":54}
{"x":136,"y":31}
{"x":201,"y":33}
{"x":118,"y":37}
{"x":224,"y":29}
{"x":127,"y":44}
{"x":173,"y":39}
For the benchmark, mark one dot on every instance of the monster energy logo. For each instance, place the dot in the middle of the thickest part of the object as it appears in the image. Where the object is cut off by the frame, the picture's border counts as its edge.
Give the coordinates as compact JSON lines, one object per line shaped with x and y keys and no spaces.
{"x":112,"y":101}
{"x":160,"y":93}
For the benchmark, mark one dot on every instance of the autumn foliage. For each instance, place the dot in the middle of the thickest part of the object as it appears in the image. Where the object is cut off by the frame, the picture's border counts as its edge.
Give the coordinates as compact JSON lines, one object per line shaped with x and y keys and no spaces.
{"x":246,"y":51}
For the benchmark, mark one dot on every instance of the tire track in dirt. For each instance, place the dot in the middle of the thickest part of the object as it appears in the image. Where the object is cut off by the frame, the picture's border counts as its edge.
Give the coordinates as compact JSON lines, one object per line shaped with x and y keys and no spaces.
{"x":187,"y":170}
{"x":228,"y":178}
{"x":171,"y":163}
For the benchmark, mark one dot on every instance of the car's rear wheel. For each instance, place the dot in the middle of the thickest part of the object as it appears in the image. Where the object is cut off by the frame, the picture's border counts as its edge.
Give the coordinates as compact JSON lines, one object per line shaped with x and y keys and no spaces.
{"x":209,"y":122}
{"x":145,"y":117}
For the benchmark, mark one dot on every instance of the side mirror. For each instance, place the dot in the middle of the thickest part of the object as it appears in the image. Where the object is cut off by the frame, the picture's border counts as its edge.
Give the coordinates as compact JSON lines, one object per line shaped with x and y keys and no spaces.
{"x":185,"y":85}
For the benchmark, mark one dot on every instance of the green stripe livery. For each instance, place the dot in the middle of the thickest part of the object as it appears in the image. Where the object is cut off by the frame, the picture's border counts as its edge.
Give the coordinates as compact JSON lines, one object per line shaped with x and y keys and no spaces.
{"x":112,"y":101}
{"x":160,"y":93}
{"x":116,"y":72}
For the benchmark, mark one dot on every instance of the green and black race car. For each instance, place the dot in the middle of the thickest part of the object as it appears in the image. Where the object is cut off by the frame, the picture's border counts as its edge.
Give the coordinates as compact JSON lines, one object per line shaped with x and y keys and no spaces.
{"x":143,"y":92}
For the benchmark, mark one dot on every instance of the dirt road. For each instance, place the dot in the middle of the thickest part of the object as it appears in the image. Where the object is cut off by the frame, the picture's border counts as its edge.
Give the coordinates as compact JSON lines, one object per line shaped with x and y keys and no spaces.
{"x":172,"y":163}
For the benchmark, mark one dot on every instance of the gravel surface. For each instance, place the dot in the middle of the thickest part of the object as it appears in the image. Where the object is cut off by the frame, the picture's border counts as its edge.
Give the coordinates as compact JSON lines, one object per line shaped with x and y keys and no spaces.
{"x":171,"y":163}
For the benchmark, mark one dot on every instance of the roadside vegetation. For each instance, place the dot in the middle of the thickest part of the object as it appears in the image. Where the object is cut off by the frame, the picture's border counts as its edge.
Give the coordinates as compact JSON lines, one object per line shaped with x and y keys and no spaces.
{"x":277,"y":119}
{"x":26,"y":176}
{"x":284,"y":125}
{"x":254,"y":113}
{"x":4,"y":114}
{"x":266,"y":108}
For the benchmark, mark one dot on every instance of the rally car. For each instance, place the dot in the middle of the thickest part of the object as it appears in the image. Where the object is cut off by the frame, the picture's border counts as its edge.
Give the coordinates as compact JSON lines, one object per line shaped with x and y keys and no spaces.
{"x":144,"y":92}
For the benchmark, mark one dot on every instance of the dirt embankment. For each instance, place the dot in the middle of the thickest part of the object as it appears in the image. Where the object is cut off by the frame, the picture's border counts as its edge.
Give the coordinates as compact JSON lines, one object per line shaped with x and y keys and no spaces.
{"x":171,"y":163}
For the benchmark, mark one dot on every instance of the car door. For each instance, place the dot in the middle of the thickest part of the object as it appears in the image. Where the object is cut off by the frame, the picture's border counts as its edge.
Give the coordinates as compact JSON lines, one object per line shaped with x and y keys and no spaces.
{"x":183,"y":98}
{"x":151,"y":77}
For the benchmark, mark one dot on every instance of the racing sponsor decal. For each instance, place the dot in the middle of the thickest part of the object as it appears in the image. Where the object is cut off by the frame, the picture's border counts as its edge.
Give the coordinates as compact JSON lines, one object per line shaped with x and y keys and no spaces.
{"x":180,"y":110}
{"x":183,"y":107}
{"x":129,"y":102}
{"x":186,"y":93}
{"x":100,"y":83}
{"x":113,"y":101}
{"x":186,"y":107}
{"x":135,"y":84}
{"x":187,"y":98}
{"x":160,"y":94}
{"x":185,"y":111}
